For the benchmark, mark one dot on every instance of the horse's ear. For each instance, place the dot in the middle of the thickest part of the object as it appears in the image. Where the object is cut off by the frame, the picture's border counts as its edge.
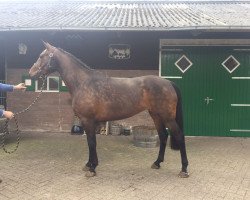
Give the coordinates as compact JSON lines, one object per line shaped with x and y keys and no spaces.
{"x":48,"y":46}
{"x":44,"y":43}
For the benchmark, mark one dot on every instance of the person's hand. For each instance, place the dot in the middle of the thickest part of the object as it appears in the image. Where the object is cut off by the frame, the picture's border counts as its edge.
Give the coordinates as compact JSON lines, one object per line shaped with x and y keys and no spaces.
{"x":8,"y":114}
{"x":20,"y":86}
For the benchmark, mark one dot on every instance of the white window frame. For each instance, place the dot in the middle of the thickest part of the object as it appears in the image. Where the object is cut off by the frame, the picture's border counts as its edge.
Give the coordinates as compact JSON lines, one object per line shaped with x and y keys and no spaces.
{"x":224,"y":62}
{"x":47,"y":86}
{"x":190,"y":63}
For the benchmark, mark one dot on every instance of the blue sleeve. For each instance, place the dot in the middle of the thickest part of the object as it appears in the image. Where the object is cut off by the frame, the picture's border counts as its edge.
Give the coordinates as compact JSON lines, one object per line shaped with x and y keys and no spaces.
{"x":6,"y":87}
{"x":1,"y":112}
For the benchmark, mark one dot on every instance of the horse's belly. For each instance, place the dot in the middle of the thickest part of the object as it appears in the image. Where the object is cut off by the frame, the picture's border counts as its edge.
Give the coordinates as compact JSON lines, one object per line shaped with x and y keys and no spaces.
{"x":118,"y":114}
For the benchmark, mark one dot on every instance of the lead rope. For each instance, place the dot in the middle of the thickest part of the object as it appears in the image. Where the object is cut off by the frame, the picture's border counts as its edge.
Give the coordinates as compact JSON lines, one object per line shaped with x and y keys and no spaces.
{"x":5,"y":129}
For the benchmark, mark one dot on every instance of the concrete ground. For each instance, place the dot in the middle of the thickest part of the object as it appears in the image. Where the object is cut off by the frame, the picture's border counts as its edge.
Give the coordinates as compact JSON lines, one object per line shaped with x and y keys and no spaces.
{"x":48,"y":166}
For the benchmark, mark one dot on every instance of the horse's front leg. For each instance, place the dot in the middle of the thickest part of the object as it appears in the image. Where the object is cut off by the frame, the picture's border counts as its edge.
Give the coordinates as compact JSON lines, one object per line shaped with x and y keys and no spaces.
{"x":93,"y":160}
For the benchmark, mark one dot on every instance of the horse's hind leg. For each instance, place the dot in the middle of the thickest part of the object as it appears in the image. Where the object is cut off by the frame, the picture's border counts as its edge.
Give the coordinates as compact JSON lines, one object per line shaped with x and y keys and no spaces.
{"x":163,"y":136}
{"x":180,"y":139}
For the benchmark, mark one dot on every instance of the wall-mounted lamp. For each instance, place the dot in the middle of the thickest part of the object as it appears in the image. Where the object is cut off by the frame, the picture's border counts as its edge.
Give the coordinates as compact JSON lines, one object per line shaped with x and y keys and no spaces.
{"x":22,"y":49}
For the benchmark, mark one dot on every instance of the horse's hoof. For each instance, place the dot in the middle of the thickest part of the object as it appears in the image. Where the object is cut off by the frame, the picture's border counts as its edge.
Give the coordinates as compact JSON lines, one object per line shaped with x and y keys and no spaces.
{"x":90,"y":174}
{"x":183,"y":174}
{"x":154,"y":166}
{"x":85,"y":168}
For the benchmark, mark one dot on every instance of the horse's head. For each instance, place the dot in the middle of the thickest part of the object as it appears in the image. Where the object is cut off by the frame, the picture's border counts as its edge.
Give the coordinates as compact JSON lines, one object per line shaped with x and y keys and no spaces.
{"x":44,"y":64}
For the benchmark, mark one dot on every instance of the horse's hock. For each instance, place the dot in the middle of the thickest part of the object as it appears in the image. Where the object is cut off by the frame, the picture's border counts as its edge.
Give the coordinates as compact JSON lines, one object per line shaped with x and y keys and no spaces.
{"x":145,"y":136}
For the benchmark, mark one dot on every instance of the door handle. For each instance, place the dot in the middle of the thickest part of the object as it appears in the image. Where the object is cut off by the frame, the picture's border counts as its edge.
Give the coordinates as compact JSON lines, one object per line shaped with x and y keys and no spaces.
{"x":208,"y":99}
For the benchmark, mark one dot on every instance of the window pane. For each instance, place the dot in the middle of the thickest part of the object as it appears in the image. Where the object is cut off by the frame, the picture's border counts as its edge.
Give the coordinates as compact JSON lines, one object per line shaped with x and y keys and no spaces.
{"x":40,"y":83}
{"x":183,"y":63}
{"x":231,"y":64}
{"x":53,"y":83}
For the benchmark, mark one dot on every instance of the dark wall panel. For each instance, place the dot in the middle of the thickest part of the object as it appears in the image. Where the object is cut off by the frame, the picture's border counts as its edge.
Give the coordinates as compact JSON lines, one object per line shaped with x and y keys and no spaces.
{"x":92,"y":47}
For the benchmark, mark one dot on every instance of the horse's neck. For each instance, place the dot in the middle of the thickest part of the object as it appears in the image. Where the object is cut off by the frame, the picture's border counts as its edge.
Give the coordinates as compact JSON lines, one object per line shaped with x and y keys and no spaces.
{"x":72,"y":74}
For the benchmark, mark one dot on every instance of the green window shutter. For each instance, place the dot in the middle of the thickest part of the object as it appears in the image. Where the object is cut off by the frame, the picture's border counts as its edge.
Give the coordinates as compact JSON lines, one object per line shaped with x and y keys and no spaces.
{"x":62,"y":87}
{"x":30,"y":84}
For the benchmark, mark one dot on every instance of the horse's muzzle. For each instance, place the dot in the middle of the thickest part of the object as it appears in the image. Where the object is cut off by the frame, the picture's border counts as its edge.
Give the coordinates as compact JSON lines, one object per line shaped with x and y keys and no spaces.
{"x":33,"y":74}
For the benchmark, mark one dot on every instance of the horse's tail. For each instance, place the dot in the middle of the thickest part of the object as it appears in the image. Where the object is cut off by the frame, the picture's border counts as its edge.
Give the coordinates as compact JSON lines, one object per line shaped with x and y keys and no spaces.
{"x":178,"y":118}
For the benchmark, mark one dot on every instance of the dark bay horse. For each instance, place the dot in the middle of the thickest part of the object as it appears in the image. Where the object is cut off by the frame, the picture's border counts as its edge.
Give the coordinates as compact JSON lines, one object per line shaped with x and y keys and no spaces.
{"x":99,"y":98}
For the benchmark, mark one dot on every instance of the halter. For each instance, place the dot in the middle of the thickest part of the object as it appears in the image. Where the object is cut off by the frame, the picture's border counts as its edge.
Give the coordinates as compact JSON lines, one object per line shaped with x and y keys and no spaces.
{"x":48,"y":64}
{"x":50,"y":57}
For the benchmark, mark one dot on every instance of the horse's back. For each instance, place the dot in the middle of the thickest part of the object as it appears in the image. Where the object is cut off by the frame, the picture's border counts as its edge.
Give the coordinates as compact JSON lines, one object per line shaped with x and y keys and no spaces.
{"x":150,"y":85}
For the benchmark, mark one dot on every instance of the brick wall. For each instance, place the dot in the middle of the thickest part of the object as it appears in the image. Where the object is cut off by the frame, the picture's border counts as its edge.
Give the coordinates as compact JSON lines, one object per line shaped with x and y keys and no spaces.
{"x":53,"y":111}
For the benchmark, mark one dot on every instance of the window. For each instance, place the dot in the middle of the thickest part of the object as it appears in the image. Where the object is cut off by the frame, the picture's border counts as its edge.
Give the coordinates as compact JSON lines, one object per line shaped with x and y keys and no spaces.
{"x":231,"y":64}
{"x":51,"y":84}
{"x":183,"y":63}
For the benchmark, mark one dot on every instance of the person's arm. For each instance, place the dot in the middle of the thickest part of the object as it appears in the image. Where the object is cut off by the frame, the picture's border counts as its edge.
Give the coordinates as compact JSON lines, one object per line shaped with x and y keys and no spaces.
{"x":6,"y":87}
{"x":20,"y":86}
{"x":6,"y":114}
{"x":10,"y":88}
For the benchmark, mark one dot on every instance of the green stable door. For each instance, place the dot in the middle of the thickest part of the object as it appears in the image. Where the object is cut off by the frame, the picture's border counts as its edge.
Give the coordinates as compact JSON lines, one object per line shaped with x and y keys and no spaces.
{"x":215,"y":86}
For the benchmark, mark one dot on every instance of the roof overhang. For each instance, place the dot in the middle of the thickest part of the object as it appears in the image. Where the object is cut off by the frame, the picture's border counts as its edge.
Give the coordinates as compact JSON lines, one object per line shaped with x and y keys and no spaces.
{"x":191,"y":28}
